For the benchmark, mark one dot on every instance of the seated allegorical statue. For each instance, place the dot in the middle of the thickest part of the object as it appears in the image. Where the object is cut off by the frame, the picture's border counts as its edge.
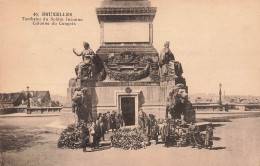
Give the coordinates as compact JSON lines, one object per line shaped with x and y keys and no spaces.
{"x":85,"y":69}
{"x":166,"y":61}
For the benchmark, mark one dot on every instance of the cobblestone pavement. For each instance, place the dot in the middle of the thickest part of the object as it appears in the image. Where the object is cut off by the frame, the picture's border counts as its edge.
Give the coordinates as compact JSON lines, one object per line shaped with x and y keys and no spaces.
{"x":32,"y":142}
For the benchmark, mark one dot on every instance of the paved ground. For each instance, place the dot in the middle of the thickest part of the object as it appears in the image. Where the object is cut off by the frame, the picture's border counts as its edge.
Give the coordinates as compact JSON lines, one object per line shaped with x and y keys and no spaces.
{"x":33,"y":141}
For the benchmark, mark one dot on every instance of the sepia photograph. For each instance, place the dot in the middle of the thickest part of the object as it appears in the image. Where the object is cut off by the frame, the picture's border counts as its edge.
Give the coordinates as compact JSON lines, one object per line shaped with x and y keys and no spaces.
{"x":129,"y":82}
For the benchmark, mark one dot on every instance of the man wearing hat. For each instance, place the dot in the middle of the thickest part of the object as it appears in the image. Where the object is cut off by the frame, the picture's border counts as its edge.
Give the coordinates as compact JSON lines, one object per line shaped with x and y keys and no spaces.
{"x":120,"y":118}
{"x":193,"y":130}
{"x":113,"y":121}
{"x":97,"y":135}
{"x":85,"y":137}
{"x":154,"y":129}
{"x":209,"y":136}
{"x":141,"y":119}
{"x":101,"y":124}
{"x":108,"y":120}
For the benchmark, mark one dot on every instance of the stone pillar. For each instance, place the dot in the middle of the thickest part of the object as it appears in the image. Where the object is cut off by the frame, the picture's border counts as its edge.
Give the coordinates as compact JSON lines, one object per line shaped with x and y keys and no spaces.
{"x":151,"y":33}
{"x":220,"y":93}
{"x":102,"y":33}
{"x":87,"y":105}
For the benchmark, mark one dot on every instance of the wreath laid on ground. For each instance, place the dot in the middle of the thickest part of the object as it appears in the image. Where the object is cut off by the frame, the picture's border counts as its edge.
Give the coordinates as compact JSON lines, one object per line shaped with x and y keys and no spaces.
{"x":71,"y":137}
{"x":128,"y":138}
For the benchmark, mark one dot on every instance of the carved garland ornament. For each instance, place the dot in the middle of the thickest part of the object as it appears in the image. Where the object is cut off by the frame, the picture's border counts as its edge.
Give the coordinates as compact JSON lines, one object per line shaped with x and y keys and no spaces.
{"x":127,"y":75}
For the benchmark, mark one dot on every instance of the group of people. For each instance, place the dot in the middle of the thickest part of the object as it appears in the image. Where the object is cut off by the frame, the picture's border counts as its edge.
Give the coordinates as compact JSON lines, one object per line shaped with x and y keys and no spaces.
{"x":149,"y":125}
{"x":198,"y":140}
{"x":93,"y":132}
{"x":110,"y":121}
{"x":174,"y":133}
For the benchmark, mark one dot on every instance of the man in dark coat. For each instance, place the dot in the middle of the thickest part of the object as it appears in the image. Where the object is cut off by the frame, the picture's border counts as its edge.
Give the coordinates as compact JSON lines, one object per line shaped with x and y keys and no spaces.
{"x":97,"y":135}
{"x":101,"y":124}
{"x":209,"y":136}
{"x":226,"y":107}
{"x":108,"y":120}
{"x":154,"y":129}
{"x":141,"y":119}
{"x":105,"y":121}
{"x":85,"y":137}
{"x":113,"y":121}
{"x":164,"y":130}
{"x":193,"y":130}
{"x":120,"y":118}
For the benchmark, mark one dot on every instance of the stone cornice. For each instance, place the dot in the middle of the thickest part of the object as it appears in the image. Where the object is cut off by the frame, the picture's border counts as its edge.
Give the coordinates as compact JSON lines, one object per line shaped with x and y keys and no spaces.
{"x":127,"y":11}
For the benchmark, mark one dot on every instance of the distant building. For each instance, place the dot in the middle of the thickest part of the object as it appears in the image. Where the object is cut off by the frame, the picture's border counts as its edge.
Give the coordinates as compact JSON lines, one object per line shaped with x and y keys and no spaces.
{"x":10,"y":100}
{"x":43,"y":97}
{"x":19,"y":99}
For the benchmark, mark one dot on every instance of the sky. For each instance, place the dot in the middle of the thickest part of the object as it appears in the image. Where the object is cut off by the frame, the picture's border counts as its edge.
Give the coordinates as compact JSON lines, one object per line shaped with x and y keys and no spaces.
{"x":216,"y":41}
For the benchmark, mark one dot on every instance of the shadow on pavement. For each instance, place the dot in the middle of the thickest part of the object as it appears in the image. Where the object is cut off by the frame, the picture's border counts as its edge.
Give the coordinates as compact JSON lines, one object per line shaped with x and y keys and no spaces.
{"x":218,"y":148}
{"x":102,"y":148}
{"x":203,"y":128}
{"x":216,"y":119}
{"x":218,"y":125}
{"x":216,"y":138}
{"x":229,"y":118}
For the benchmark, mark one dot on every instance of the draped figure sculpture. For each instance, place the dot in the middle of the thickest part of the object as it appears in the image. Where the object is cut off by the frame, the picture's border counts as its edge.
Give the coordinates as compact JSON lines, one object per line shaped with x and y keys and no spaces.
{"x":86,"y":68}
{"x":166,"y":61}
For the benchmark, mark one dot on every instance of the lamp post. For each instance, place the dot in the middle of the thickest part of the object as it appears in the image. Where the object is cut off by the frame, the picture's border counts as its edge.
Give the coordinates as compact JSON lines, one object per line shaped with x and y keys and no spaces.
{"x":28,"y":100}
{"x":220,"y":93}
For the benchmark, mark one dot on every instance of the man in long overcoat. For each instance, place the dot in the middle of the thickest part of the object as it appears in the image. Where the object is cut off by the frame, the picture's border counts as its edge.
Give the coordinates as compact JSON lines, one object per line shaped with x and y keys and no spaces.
{"x":193,"y":130}
{"x":209,"y":136}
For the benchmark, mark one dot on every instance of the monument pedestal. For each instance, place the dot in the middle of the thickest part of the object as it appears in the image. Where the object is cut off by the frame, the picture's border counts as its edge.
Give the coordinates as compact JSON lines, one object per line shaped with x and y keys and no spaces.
{"x":130,"y":71}
{"x":112,"y":96}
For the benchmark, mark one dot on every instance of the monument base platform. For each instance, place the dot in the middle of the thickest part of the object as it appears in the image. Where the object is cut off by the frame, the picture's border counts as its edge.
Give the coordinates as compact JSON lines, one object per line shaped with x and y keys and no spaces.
{"x":129,"y":97}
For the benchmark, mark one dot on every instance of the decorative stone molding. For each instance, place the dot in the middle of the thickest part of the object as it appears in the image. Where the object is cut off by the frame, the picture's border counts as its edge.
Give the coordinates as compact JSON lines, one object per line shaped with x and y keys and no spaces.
{"x":126,"y":14}
{"x":126,"y":10}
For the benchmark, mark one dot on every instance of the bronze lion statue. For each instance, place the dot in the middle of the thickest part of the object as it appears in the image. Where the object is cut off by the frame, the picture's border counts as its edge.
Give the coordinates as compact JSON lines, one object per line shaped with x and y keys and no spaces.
{"x":178,"y":104}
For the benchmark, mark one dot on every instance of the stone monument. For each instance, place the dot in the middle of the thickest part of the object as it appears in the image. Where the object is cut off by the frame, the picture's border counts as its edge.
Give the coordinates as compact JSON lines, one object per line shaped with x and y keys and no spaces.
{"x":127,"y":66}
